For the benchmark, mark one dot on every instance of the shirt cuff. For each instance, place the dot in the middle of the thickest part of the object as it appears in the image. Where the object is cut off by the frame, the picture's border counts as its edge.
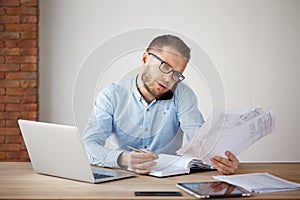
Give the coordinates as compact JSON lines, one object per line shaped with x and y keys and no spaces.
{"x":112,"y":158}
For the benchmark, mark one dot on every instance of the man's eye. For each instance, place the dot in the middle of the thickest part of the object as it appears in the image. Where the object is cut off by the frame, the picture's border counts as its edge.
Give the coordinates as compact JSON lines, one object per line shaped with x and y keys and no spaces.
{"x":176,"y":74}
{"x":165,"y":67}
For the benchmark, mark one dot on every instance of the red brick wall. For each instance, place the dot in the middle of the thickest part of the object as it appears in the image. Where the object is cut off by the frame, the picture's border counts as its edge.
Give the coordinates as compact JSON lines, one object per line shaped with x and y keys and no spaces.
{"x":18,"y":73}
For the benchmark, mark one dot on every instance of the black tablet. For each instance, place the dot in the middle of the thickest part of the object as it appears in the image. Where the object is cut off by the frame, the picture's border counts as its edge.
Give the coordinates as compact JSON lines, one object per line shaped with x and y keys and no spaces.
{"x":213,"y":189}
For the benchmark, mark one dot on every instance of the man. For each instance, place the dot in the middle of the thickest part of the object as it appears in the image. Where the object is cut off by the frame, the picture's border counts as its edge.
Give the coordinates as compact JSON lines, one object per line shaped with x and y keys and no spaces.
{"x":152,"y":111}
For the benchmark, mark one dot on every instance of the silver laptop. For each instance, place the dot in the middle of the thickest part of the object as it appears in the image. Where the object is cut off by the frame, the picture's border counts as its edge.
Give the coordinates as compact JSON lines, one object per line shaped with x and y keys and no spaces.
{"x":58,"y":150}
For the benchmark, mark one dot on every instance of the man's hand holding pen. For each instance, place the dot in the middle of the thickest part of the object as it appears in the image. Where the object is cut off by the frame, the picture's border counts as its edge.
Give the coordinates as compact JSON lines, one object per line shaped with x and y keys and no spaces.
{"x":139,"y":160}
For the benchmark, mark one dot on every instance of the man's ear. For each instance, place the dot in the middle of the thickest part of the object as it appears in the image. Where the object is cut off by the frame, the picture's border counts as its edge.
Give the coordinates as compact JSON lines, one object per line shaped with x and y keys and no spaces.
{"x":144,"y":58}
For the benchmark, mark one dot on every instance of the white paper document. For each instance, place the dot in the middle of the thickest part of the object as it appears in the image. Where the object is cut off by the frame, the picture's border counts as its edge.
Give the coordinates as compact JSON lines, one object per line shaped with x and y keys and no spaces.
{"x":259,"y":182}
{"x":229,"y":130}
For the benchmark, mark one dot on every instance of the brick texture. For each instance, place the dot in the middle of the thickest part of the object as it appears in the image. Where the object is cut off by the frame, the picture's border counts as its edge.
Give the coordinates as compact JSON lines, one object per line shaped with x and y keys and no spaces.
{"x":19,"y":54}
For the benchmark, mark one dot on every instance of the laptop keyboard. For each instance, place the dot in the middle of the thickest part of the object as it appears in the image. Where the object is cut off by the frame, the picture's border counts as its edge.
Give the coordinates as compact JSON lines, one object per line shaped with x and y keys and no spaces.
{"x":100,"y":176}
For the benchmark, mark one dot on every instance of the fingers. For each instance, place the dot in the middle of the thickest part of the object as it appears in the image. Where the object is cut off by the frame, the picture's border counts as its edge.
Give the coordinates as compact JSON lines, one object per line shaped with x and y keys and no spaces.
{"x":224,"y":169}
{"x":219,"y":186}
{"x":226,"y":166}
{"x":230,"y":189}
{"x":232,"y":157}
{"x":143,"y":157}
{"x":144,"y":168}
{"x":141,"y":163}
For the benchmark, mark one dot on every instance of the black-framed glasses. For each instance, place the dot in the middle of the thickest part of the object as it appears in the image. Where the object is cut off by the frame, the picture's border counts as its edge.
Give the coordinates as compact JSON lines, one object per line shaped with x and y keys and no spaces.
{"x":166,"y":69}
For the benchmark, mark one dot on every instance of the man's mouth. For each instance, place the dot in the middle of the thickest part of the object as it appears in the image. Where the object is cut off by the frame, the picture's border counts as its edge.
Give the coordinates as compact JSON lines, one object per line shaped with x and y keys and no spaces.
{"x":161,"y":85}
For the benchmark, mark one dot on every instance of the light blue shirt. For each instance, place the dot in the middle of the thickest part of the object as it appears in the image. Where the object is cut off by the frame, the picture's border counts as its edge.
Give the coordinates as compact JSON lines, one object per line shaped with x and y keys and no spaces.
{"x":120,"y":112}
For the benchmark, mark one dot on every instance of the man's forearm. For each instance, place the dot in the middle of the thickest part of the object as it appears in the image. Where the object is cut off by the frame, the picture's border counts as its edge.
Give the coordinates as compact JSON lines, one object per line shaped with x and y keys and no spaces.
{"x":102,"y":156}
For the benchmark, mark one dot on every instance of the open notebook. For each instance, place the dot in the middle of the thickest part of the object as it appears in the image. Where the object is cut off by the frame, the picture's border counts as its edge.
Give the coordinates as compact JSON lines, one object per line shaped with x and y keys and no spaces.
{"x":169,"y":165}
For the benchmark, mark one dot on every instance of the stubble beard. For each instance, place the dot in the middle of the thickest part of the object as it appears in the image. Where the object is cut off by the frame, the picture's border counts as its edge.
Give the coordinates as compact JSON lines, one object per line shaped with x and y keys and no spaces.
{"x":149,"y":85}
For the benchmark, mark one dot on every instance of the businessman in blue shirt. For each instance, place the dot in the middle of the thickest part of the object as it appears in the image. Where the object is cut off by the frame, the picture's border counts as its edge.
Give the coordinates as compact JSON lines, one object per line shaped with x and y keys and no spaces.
{"x":151,"y":111}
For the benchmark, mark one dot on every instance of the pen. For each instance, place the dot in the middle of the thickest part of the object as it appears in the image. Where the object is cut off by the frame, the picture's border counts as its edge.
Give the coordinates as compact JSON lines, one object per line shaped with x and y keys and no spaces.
{"x":136,"y":150}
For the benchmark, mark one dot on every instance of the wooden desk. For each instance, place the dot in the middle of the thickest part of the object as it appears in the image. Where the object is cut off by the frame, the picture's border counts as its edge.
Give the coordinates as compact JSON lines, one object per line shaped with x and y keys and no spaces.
{"x":19,"y":181}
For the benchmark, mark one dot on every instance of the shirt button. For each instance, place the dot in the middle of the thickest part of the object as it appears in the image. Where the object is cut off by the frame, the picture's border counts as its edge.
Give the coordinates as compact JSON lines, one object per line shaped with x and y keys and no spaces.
{"x":147,"y":109}
{"x":146,"y":129}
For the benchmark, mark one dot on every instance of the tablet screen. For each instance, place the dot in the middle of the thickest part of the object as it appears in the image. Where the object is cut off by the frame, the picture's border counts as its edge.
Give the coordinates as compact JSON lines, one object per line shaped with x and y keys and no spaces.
{"x":213,"y":189}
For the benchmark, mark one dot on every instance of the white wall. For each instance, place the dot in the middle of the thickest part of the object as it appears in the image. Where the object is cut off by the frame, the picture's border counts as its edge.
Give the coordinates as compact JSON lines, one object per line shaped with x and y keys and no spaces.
{"x":254,"y":45}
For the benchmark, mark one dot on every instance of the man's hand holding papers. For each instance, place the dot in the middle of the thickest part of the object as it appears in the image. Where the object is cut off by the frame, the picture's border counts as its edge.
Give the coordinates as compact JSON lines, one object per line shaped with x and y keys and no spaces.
{"x":226,"y":166}
{"x":230,"y":132}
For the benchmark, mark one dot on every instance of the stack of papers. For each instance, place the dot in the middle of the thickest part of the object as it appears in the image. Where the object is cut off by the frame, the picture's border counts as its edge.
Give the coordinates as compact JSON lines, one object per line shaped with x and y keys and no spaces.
{"x":259,"y":182}
{"x":229,"y":130}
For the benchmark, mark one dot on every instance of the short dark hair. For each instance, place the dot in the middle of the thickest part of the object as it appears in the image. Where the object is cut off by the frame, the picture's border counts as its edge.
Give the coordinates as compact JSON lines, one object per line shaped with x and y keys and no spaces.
{"x":170,"y":41}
